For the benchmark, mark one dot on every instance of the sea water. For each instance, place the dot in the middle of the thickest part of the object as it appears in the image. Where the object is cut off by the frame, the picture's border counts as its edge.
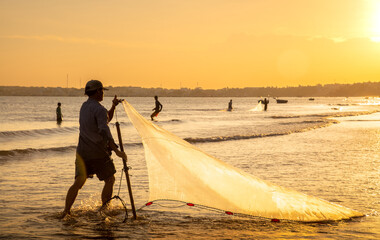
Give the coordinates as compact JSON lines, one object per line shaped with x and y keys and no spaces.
{"x":328,"y":148}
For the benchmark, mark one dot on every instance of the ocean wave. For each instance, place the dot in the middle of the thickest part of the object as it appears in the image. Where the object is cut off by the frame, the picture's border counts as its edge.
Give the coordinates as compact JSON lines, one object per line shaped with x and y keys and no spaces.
{"x":228,"y":138}
{"x":285,"y":116}
{"x":326,"y":115}
{"x":205,"y":109}
{"x":26,"y":151}
{"x":174,"y":120}
{"x":352,"y":114}
{"x":261,"y":135}
{"x":322,"y":120}
{"x":363,"y":120}
{"x":14,"y":152}
{"x":342,"y":104}
{"x":34,"y":132}
{"x":316,"y":122}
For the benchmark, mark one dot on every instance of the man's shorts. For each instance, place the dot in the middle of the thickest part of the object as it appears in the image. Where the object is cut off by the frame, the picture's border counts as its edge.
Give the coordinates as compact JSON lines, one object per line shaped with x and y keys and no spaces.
{"x":155,"y":114}
{"x":102,"y":167}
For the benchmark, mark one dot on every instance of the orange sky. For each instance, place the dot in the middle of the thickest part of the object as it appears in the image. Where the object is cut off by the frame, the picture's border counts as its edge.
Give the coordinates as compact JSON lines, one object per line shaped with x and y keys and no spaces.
{"x":175,"y":43}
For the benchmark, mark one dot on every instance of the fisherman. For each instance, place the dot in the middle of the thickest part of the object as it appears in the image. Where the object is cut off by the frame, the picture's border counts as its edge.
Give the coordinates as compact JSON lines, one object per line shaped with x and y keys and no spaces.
{"x":59,"y":113}
{"x":265,"y":102}
{"x":157,"y":109}
{"x":93,"y":154}
{"x":229,"y":106}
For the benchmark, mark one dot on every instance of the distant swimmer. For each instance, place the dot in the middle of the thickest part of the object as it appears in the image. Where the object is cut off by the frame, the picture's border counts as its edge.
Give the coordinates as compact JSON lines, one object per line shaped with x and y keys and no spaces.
{"x":59,"y":113}
{"x":229,"y":106}
{"x":157,"y":109}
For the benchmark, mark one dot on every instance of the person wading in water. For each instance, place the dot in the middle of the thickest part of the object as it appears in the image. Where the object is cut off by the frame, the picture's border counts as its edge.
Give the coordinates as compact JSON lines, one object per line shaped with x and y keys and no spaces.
{"x":93,"y":155}
{"x":157,"y":109}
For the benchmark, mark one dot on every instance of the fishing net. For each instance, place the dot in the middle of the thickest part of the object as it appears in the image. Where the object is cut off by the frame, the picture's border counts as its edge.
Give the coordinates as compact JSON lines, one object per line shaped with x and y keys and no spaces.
{"x":179,"y":171}
{"x":259,"y":107}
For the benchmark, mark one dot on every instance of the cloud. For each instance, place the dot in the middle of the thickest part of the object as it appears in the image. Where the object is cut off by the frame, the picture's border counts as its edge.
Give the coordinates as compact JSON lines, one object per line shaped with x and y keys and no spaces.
{"x":334,"y":39}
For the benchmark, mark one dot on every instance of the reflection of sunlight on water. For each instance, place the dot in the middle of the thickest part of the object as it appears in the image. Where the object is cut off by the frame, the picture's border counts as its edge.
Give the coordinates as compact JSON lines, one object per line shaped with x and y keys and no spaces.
{"x":90,"y":210}
{"x":370,"y":101}
{"x":92,"y":203}
{"x":363,"y":101}
{"x":374,"y":103}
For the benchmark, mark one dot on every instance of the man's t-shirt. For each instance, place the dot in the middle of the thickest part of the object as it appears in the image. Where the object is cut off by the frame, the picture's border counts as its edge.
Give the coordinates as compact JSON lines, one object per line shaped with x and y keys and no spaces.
{"x":94,"y":133}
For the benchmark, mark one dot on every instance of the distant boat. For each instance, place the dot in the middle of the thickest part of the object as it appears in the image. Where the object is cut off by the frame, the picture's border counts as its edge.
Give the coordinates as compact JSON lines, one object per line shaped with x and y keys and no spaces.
{"x":311,"y":99}
{"x":281,"y":101}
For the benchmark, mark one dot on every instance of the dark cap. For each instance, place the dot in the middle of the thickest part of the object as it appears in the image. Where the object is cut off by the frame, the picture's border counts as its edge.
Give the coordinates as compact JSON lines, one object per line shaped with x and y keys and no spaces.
{"x":93,"y":85}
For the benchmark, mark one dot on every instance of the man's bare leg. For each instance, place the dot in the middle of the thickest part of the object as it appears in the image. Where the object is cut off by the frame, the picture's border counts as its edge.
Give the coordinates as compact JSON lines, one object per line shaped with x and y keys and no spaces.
{"x":108,"y":189}
{"x":72,"y":194}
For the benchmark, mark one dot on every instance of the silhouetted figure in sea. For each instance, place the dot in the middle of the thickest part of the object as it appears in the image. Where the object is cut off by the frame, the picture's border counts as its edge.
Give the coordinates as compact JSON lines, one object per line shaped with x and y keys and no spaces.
{"x":157,"y":109}
{"x":229,"y":106}
{"x":265,"y":102}
{"x":59,"y":113}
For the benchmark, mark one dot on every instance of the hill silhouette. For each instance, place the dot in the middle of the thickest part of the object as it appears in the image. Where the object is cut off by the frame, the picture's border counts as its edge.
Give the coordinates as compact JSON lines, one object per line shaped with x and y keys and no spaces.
{"x":370,"y":89}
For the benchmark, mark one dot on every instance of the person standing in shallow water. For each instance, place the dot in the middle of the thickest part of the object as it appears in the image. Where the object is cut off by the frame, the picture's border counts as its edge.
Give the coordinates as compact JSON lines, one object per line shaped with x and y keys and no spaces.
{"x":157,"y":109}
{"x":229,"y":106}
{"x":95,"y":144}
{"x":266,"y":102}
{"x":59,"y":113}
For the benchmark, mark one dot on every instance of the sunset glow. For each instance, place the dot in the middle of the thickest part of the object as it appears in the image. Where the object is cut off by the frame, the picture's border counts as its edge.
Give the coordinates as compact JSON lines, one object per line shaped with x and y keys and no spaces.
{"x":375,"y":17}
{"x":375,"y":22}
{"x":173,"y":44}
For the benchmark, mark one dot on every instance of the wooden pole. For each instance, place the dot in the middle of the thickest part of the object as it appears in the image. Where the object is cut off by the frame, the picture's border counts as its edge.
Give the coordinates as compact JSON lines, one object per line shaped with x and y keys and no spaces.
{"x":126,"y":171}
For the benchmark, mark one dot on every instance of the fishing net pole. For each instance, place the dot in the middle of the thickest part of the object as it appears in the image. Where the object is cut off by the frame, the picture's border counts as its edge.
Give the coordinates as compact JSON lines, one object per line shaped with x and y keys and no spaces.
{"x":125,"y":170}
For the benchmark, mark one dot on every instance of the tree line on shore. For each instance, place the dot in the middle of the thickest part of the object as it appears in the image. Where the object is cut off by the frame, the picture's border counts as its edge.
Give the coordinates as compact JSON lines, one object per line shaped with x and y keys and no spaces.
{"x":366,"y":89}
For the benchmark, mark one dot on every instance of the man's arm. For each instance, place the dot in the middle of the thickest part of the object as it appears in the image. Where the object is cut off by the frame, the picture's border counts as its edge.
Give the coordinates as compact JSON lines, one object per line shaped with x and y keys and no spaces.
{"x":110,"y":112}
{"x":117,"y":151}
{"x":160,"y":108}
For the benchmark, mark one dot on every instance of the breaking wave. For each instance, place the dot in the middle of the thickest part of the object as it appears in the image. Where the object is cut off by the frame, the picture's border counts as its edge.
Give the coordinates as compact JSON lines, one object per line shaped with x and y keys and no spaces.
{"x":14,"y":152}
{"x":326,"y":115}
{"x":314,"y":121}
{"x":261,"y":135}
{"x":36,"y":132}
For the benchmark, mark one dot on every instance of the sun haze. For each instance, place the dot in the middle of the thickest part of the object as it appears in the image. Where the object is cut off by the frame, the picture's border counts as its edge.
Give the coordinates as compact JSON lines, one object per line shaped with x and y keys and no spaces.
{"x":173,"y":44}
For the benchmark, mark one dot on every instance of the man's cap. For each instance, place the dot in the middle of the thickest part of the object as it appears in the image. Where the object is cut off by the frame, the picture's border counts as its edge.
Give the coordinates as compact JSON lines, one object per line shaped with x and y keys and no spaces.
{"x":93,"y":85}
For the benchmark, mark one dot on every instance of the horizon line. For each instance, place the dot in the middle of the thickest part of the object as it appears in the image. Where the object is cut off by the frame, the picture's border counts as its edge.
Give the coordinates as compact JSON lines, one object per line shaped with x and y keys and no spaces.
{"x":290,"y":86}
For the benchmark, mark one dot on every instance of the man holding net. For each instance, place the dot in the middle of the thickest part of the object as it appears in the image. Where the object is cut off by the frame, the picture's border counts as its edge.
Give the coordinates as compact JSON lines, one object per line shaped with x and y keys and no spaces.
{"x":95,"y":145}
